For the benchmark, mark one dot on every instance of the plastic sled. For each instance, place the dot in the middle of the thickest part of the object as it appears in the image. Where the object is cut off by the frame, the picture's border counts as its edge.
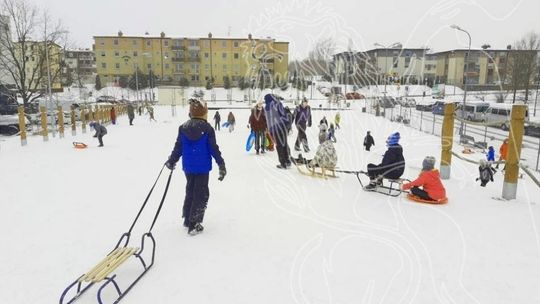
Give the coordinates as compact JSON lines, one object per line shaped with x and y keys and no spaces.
{"x":103,"y":273}
{"x":415,"y":198}
{"x":250,"y":141}
{"x":79,"y":145}
{"x":269,"y":142}
{"x":225,"y":124}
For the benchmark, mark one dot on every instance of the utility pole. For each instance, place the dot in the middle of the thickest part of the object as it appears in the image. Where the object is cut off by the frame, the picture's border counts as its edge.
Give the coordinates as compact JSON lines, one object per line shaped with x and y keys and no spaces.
{"x":465,"y":76}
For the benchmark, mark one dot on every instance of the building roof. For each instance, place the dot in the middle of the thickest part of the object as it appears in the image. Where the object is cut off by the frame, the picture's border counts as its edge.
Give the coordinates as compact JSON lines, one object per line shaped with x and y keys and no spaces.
{"x":191,"y":38}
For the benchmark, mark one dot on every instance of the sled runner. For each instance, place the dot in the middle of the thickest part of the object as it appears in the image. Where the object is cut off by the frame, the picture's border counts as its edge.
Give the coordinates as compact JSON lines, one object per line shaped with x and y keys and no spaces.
{"x":104,"y":272}
{"x":250,"y":141}
{"x":307,"y":169}
{"x":79,"y":145}
{"x":392,"y":187}
{"x":415,"y":198}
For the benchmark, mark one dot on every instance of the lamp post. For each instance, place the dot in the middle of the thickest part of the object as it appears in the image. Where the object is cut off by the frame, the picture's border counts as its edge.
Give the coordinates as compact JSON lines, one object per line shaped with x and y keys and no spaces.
{"x":465,"y":72}
{"x":393,"y":45}
{"x":536,"y":95}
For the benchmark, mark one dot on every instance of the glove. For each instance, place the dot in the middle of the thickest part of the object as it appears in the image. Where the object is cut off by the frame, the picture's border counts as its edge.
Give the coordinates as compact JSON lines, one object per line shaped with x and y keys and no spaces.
{"x":222,"y":172}
{"x":170,"y":165}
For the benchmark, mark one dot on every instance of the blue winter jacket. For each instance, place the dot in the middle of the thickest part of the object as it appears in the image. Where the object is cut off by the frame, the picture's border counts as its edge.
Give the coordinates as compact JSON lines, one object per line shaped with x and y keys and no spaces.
{"x":196,"y":144}
{"x":491,"y":155}
{"x":276,"y":117}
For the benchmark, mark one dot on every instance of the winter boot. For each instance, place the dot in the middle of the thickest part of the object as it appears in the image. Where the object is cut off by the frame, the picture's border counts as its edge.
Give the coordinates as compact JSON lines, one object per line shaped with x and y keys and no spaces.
{"x":195,"y":228}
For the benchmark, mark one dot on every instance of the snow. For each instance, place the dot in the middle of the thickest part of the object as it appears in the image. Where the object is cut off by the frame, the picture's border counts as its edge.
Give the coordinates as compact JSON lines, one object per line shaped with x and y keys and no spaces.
{"x":270,"y":236}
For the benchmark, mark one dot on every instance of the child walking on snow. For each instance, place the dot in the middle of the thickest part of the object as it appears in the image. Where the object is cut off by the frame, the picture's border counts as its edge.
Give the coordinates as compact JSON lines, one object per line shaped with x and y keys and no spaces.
{"x":196,"y":144}
{"x":485,"y":172}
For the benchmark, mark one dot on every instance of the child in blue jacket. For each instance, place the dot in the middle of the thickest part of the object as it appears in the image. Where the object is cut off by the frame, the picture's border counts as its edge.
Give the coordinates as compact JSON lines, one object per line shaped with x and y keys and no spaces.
{"x":196,"y":144}
{"x":491,"y":154}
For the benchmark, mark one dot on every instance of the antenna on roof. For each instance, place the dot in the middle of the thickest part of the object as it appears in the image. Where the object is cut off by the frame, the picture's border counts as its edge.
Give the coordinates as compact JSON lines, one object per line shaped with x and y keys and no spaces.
{"x":229,"y":31}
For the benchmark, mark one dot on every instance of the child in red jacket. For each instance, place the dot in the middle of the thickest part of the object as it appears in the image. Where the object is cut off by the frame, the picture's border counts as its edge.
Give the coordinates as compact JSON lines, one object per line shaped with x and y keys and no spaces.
{"x":429,"y":180}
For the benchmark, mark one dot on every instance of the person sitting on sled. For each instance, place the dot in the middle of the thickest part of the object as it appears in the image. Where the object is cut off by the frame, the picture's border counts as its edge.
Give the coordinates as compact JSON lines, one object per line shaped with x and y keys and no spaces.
{"x":392,"y":165}
{"x":486,"y":172}
{"x":196,"y":144}
{"x":428,"y":186}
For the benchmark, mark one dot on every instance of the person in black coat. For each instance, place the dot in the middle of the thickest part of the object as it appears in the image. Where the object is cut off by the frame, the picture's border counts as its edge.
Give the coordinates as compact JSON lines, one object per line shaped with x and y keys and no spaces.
{"x":217,"y":121}
{"x":368,"y":141}
{"x":392,"y":165}
{"x":302,"y":119}
{"x":100,"y":131}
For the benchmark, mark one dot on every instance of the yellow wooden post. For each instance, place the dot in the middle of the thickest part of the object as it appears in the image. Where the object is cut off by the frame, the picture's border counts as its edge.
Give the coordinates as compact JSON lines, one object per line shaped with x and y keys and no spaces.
{"x":60,"y":121}
{"x":44,"y":127}
{"x":95,"y":117}
{"x":73,"y":121}
{"x":83,"y":119}
{"x":517,"y":125}
{"x":447,"y":140}
{"x":22,"y":125}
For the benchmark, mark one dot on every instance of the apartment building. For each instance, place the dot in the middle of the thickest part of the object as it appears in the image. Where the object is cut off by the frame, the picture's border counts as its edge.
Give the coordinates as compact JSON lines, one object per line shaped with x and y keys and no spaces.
{"x":42,"y":60}
{"x":198,"y":60}
{"x":80,"y":66}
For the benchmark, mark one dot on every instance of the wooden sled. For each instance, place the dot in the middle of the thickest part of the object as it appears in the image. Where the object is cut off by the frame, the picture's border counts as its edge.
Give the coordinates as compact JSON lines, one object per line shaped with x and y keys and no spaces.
{"x":314,"y":171}
{"x":415,"y":198}
{"x":79,"y":145}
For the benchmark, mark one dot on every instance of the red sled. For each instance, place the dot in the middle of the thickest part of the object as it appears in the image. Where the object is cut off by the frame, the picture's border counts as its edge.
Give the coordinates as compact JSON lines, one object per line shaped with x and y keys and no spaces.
{"x":420,"y":200}
{"x":79,"y":145}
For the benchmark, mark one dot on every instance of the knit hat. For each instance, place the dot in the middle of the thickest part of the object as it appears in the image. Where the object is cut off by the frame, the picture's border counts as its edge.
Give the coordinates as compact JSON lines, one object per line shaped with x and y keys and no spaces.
{"x":198,"y":109}
{"x":393,"y":139}
{"x":428,"y":163}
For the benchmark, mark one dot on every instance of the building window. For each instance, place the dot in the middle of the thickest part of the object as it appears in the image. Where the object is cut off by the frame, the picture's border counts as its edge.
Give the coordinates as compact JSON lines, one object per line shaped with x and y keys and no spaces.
{"x":166,"y":55}
{"x":207,"y":67}
{"x":235,"y":44}
{"x":148,"y":43}
{"x":407,"y":61}
{"x":115,"y":41}
{"x":116,"y":53}
{"x":134,"y":42}
{"x":224,"y":43}
{"x":206,"y":55}
{"x":193,"y":43}
{"x":103,"y":65}
{"x":194,"y":77}
{"x":135,"y":54}
{"x":179,"y":67}
{"x":166,"y":66}
{"x":195,"y":67}
{"x":224,"y":67}
{"x":223,"y":55}
{"x":236,"y":56}
{"x":102,"y":43}
{"x":166,"y":43}
{"x":149,"y":66}
{"x":206,"y":44}
{"x":102,"y":54}
{"x":117,"y":65}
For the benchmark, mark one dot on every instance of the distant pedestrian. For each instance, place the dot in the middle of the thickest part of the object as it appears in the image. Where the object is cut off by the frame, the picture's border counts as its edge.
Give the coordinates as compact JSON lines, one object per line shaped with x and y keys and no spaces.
{"x":100,"y":131}
{"x":368,"y":141}
{"x":491,"y":154}
{"x":113,"y":115}
{"x":302,"y":119}
{"x":257,"y":122}
{"x":150,"y":110}
{"x":231,"y":120}
{"x":140,"y":108}
{"x":131,"y":113}
{"x":217,"y":121}
{"x":503,"y":153}
{"x":277,"y":121}
{"x":337,"y":120}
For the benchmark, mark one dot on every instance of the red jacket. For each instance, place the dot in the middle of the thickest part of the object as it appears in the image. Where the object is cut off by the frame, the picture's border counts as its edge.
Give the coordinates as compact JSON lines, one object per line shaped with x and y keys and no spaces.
{"x":430,"y":181}
{"x":257,"y":120}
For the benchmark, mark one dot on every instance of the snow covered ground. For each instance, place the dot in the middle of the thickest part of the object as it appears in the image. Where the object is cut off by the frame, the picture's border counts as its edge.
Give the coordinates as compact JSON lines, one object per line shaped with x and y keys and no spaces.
{"x":270,"y":236}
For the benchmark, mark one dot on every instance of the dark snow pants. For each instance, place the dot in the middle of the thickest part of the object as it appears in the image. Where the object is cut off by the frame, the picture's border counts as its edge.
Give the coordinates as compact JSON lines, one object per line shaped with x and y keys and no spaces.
{"x":301,"y":138}
{"x":421,"y":194}
{"x":216,"y":125}
{"x":196,"y":200}
{"x":100,"y":139}
{"x":260,"y":139}
{"x":279,"y":136}
{"x":375,"y":171}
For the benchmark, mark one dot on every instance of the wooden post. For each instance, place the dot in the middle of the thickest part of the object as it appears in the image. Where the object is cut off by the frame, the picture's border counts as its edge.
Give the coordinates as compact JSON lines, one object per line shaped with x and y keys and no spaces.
{"x":517,"y":122}
{"x":73,"y":121}
{"x":44,"y":127}
{"x":83,"y":119}
{"x":447,"y":140}
{"x":60,"y":121}
{"x":22,"y":125}
{"x":95,"y":117}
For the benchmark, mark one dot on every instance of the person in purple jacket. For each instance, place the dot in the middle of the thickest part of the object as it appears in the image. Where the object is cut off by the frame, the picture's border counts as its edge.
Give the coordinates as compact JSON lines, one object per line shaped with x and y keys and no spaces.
{"x":196,"y":144}
{"x":302,"y":119}
{"x":277,"y":121}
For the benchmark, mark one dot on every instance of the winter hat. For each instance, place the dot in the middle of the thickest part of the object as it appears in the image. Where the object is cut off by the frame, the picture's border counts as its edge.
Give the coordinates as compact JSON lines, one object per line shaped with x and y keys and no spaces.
{"x":198,"y":109}
{"x":428,"y":163}
{"x":393,"y":139}
{"x":92,"y":124}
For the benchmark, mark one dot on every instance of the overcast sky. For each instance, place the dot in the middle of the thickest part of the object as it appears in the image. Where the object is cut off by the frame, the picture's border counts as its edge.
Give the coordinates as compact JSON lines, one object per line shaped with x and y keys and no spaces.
{"x":353,"y":24}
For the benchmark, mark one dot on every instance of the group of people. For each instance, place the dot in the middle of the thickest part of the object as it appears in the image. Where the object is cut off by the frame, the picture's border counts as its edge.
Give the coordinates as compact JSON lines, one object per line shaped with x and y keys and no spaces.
{"x":231,"y":121}
{"x":485,"y":169}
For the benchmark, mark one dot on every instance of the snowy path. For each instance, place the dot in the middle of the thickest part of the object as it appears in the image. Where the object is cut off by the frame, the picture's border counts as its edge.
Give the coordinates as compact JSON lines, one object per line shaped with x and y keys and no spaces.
{"x":270,"y":236}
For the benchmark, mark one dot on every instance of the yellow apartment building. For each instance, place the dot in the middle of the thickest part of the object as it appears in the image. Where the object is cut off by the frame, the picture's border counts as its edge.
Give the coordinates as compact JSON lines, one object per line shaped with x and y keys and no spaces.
{"x":197,"y":60}
{"x":36,"y":64}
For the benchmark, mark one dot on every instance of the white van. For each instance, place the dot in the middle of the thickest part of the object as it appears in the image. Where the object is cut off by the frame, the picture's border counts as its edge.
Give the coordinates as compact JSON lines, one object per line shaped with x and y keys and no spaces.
{"x":474,"y":110}
{"x":500,"y":112}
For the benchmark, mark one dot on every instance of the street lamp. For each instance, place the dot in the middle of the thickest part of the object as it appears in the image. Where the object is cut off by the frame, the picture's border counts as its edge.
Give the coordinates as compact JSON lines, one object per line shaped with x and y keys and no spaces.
{"x":464,"y":77}
{"x":393,"y":45}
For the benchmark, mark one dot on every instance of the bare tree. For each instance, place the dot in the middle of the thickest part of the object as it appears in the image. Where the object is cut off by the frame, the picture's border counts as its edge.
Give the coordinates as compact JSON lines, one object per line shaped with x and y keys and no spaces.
{"x":31,"y":47}
{"x":317,"y":62}
{"x":523,"y":63}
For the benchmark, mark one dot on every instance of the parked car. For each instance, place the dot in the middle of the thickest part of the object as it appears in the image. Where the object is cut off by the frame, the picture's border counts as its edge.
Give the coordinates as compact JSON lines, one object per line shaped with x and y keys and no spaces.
{"x":9,"y":124}
{"x":386,"y":102}
{"x":425,"y":107}
{"x":105,"y":98}
{"x":474,"y":110}
{"x":500,"y":112}
{"x":532,"y":129}
{"x":354,"y":95}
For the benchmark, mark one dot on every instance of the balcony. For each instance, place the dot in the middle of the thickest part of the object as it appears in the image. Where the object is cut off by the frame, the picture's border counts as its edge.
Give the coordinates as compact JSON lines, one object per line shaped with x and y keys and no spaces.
{"x":193,"y":59}
{"x":194,"y":48}
{"x":178,"y":48}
